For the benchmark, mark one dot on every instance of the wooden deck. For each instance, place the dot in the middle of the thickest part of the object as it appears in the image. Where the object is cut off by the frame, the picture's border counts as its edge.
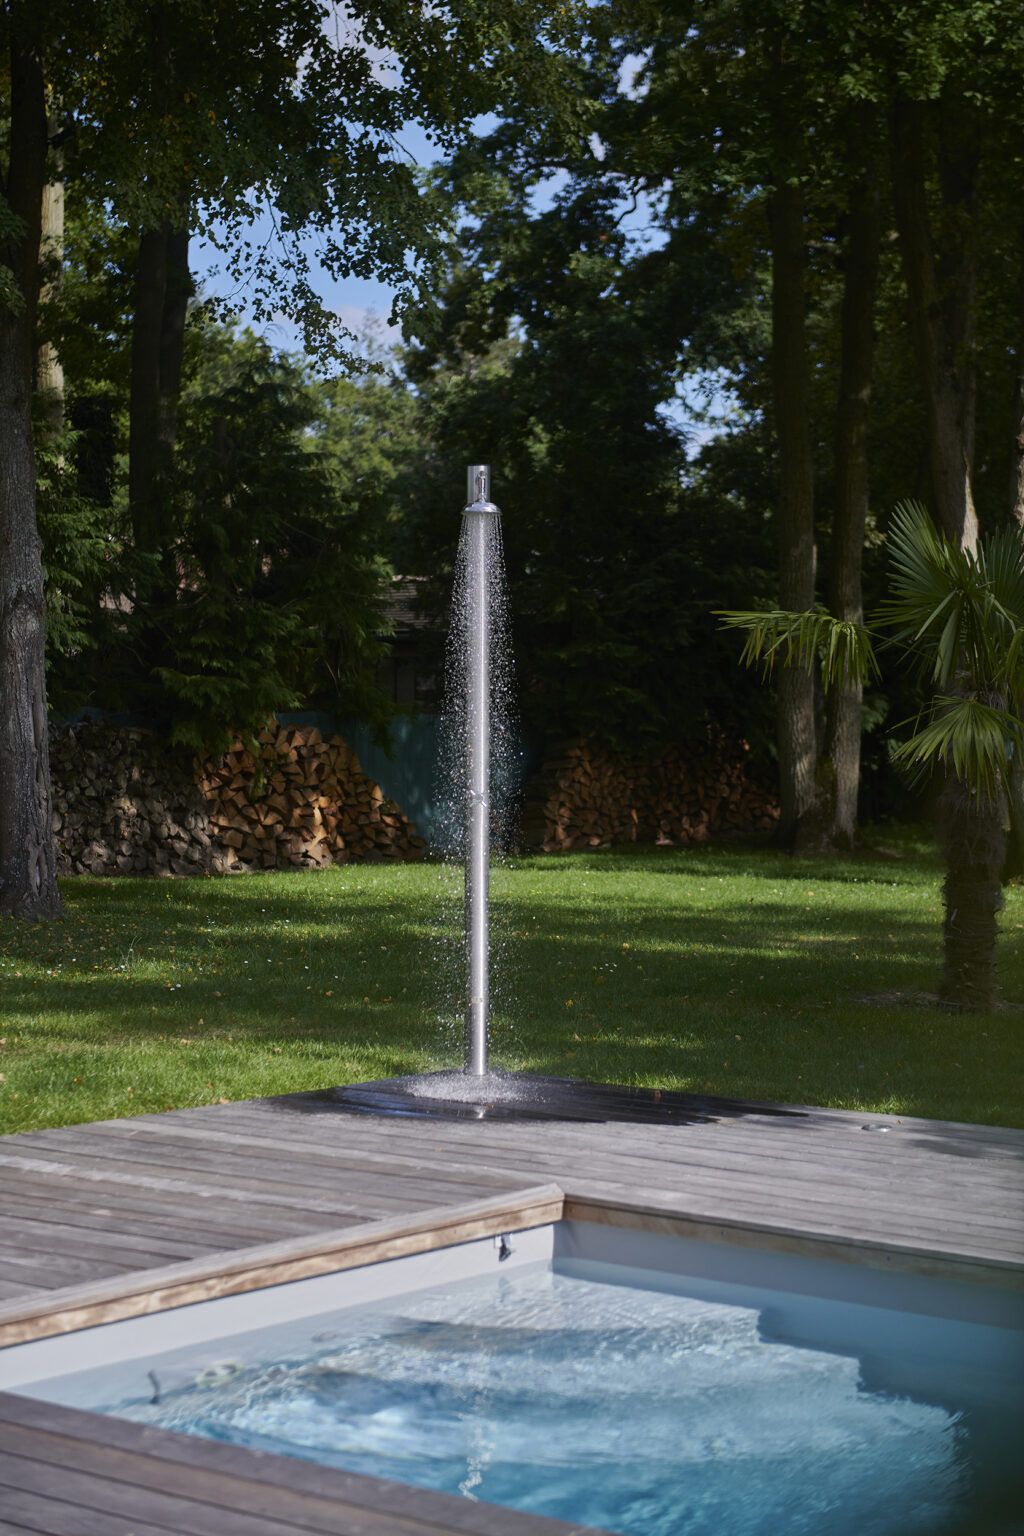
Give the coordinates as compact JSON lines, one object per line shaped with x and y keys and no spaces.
{"x":106,"y":1220}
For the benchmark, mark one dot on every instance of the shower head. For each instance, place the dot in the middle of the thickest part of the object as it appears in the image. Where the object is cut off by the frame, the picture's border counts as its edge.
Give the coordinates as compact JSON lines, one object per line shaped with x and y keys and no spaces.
{"x":478,"y":489}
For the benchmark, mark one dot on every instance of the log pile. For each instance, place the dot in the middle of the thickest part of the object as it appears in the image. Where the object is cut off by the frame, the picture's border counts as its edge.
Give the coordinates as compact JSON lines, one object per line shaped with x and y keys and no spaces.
{"x":296,"y":799}
{"x":124,"y":803}
{"x":587,"y":797}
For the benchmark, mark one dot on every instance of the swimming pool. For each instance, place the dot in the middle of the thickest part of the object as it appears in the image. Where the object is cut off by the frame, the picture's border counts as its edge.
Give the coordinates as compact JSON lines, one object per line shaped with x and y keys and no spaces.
{"x":630,"y":1380}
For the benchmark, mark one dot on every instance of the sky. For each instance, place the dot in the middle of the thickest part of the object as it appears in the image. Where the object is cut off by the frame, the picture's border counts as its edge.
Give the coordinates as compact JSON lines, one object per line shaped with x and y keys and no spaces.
{"x":358,"y":302}
{"x":702,"y":407}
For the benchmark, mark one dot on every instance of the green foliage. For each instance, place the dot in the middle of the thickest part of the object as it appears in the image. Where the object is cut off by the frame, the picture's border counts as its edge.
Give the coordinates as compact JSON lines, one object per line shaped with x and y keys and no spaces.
{"x":972,"y":737}
{"x":960,"y":614}
{"x":88,"y":315}
{"x":585,"y":292}
{"x":271,"y":128}
{"x":548,"y":361}
{"x":960,"y":611}
{"x":270,"y":590}
{"x":839,"y":647}
{"x":79,"y":554}
{"x":11,"y":229}
{"x":959,"y":617}
{"x":278,"y":591}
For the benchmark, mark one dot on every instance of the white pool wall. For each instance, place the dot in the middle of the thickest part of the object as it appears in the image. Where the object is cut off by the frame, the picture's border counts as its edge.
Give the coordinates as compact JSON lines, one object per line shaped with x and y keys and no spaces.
{"x":30,"y":1368}
{"x":943,"y":1327}
{"x":912,"y":1333}
{"x":750,"y":1264}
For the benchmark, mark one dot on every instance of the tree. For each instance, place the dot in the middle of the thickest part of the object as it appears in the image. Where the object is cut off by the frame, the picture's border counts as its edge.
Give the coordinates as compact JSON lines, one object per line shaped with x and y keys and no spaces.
{"x":942,"y":305}
{"x":283,"y":507}
{"x":552,"y":356}
{"x":800,"y":789}
{"x":313,"y":462}
{"x":796,"y":111}
{"x":959,"y":615}
{"x":280,"y":589}
{"x":860,"y":260}
{"x":49,"y":369}
{"x":28,"y":885}
{"x":954,"y":111}
{"x":731,"y":130}
{"x":227,"y":108}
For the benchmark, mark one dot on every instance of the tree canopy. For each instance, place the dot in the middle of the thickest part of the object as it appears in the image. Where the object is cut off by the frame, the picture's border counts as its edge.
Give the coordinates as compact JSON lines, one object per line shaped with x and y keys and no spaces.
{"x":808,"y":214}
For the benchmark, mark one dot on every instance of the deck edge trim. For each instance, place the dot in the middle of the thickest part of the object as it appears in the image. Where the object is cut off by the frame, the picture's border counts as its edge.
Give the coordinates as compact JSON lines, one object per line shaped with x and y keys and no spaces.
{"x":583,"y":1204}
{"x":142,"y":1292}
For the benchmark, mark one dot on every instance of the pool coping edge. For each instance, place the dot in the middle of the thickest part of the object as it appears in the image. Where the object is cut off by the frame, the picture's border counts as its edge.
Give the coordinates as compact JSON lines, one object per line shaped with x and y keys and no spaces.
{"x":143,"y":1292}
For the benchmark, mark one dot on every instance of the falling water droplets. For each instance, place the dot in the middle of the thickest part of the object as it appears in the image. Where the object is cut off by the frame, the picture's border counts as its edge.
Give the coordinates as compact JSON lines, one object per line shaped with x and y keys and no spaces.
{"x":448,"y":947}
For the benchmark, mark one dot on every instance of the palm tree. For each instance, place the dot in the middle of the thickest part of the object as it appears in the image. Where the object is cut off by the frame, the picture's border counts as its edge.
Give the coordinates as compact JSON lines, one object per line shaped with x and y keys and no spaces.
{"x":959,"y":616}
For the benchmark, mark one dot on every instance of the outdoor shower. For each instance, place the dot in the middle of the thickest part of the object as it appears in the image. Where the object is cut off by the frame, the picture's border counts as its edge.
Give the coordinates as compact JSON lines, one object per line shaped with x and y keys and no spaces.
{"x":479,"y":759}
{"x":481,"y":520}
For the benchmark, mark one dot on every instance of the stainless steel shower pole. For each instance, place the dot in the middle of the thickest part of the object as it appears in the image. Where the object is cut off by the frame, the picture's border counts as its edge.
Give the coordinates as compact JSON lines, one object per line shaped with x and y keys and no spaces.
{"x":479,"y":515}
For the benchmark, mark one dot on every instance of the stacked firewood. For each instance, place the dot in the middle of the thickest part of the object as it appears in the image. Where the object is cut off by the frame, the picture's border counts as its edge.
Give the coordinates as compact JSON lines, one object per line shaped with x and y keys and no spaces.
{"x":295,"y":798}
{"x":587,"y":797}
{"x":124,"y":803}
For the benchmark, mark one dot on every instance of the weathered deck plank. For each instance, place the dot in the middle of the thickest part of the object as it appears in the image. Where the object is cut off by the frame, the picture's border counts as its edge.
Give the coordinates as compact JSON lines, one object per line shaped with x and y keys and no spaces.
{"x":128,"y":1472}
{"x":226,"y":1177}
{"x":165,"y":1207}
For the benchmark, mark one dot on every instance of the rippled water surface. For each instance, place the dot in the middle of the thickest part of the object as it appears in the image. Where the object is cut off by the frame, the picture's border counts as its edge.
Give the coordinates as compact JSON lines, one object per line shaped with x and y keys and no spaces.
{"x":628,"y":1409}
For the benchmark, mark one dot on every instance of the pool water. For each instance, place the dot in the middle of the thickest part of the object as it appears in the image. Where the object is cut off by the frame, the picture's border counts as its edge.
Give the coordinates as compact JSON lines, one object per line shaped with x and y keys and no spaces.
{"x":611,"y":1403}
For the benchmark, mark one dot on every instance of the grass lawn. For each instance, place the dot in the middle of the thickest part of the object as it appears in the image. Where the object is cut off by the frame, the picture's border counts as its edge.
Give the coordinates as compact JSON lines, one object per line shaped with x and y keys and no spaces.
{"x":732,"y":971}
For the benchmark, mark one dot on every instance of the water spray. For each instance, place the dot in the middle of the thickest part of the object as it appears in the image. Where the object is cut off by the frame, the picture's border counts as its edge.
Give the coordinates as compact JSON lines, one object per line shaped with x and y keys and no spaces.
{"x":477,"y":754}
{"x":480,"y":517}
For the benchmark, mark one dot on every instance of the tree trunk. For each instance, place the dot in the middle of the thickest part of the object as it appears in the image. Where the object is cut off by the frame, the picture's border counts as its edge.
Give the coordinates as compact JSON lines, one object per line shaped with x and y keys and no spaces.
{"x":1017,"y":463}
{"x":162,"y":290}
{"x":843,"y":719}
{"x":941,"y":277}
{"x":975,"y":843}
{"x":49,"y":369}
{"x":800,"y":824}
{"x":1015,"y":862}
{"x":28,"y":880}
{"x":163,"y":287}
{"x":1014,"y":865}
{"x":940,"y":267}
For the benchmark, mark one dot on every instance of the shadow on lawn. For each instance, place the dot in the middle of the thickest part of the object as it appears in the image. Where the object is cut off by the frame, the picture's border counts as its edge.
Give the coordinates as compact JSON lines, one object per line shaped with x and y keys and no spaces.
{"x":615,"y":987}
{"x":914,"y":866}
{"x":342,"y":957}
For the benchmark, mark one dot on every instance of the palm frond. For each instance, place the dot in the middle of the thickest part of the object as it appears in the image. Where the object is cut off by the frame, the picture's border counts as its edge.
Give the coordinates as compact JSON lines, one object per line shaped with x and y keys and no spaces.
{"x":1003,"y":556}
{"x":957,"y":610}
{"x":974,"y":738}
{"x":1011,"y":672}
{"x":920,"y":572}
{"x":842,"y":648}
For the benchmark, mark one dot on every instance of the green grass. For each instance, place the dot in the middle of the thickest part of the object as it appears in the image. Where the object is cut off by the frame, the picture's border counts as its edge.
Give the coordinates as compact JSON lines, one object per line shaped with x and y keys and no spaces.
{"x":739,"y":972}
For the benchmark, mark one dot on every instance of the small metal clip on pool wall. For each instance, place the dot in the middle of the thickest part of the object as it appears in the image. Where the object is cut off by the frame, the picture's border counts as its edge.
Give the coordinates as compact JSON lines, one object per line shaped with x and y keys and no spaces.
{"x":479,"y":514}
